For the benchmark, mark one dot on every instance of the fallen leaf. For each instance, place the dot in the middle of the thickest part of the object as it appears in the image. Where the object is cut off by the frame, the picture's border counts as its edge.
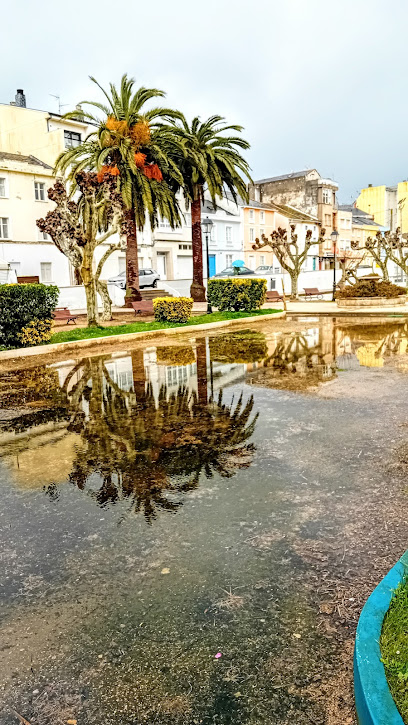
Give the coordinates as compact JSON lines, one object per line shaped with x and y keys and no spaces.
{"x":71,"y":722}
{"x":165,"y":570}
{"x":298,"y":636}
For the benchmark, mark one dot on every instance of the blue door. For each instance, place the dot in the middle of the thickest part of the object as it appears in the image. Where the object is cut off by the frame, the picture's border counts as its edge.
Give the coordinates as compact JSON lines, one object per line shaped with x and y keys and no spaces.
{"x":212,"y":264}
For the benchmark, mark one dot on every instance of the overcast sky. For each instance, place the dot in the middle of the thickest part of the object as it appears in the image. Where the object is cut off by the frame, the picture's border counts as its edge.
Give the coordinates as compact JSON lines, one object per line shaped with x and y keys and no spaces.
{"x":316,"y":83}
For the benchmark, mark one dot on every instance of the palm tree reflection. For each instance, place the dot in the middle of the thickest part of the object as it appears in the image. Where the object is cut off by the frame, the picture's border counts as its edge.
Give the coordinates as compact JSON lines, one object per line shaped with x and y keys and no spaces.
{"x":149,"y":451}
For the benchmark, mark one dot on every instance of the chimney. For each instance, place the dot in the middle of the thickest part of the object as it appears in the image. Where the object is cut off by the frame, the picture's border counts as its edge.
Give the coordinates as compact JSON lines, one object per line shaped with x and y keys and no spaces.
{"x":20,"y":98}
{"x":370,"y":186}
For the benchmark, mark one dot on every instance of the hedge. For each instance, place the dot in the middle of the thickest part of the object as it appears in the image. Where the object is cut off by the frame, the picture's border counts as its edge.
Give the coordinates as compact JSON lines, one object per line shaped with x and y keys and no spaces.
{"x":172,"y":309}
{"x":237,"y":294}
{"x":26,"y":313}
{"x":371,"y":288}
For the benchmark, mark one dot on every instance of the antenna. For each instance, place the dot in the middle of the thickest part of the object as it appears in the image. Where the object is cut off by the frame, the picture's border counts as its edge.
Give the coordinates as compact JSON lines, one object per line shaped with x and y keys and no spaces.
{"x":58,"y":99}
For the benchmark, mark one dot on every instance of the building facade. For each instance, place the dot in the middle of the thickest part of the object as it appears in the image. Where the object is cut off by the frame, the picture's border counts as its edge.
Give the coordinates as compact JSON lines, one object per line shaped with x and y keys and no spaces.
{"x":388,"y":205}
{"x":306,"y":191}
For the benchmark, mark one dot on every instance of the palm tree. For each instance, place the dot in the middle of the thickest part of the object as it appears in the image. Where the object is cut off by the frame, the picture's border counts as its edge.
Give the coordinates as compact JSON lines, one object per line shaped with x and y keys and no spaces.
{"x":210,"y":159}
{"x":128,"y":146}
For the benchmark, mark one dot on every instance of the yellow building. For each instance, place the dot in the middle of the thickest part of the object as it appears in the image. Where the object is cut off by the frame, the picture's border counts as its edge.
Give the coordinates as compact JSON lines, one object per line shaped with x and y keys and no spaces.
{"x":37,"y":133}
{"x":388,"y":205}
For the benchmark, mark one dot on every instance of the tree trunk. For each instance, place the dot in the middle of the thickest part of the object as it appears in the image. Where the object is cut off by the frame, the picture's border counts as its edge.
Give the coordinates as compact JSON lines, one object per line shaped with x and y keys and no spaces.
{"x":132,"y":261}
{"x":139,"y":377}
{"x":102,"y":288}
{"x":197,"y":289}
{"x":90,"y":292}
{"x":294,"y":276}
{"x":202,"y":378}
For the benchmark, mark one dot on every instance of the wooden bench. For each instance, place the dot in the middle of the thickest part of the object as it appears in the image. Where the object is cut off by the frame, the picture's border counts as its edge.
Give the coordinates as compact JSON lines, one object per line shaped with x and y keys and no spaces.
{"x":145,"y":306}
{"x":63,"y":313}
{"x":274,"y":296}
{"x":313,"y":292}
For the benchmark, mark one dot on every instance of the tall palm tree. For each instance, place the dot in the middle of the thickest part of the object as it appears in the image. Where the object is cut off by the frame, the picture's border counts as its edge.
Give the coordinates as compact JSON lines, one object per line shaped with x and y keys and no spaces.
{"x":211,"y":159}
{"x":127,"y":146}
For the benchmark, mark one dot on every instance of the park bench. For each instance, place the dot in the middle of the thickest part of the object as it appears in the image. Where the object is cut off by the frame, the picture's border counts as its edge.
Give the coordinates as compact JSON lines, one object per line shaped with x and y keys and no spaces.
{"x":313,"y":292}
{"x":63,"y":313}
{"x":145,"y":306}
{"x":274,"y":296}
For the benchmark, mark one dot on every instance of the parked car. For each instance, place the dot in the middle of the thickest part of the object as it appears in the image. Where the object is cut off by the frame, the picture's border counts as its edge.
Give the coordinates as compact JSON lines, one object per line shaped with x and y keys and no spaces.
{"x":264,"y":269}
{"x":147,"y":278}
{"x":235,"y":272}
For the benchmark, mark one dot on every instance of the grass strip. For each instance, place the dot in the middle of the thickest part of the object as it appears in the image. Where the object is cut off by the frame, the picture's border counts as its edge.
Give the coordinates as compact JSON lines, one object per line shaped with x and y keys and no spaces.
{"x":87,"y":333}
{"x":394,"y":648}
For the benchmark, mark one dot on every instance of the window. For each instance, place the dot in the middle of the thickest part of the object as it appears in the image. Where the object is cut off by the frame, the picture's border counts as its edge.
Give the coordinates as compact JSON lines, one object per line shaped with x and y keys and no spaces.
{"x":3,"y":188}
{"x":251,"y":234}
{"x":251,"y":215}
{"x":39,"y":190}
{"x":228,"y":260}
{"x":327,"y":220}
{"x":262,"y":232}
{"x":213,"y":236}
{"x":262,"y":259}
{"x":228,"y":234}
{"x":122,"y":264}
{"x":326,"y":196}
{"x":43,"y":236}
{"x":164,"y":224}
{"x":4,"y":228}
{"x":46,"y":271}
{"x":262,"y":217}
{"x":71,"y":139}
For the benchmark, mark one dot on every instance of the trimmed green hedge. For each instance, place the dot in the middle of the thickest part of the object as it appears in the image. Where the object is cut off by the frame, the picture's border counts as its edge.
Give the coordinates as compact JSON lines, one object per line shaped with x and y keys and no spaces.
{"x":172,"y":309}
{"x":22,"y":304}
{"x":237,"y":294}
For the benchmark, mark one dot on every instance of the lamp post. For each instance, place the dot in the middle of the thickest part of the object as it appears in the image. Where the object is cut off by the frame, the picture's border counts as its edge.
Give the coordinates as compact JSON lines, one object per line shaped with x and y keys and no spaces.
{"x":334,"y":236}
{"x":207,"y":225}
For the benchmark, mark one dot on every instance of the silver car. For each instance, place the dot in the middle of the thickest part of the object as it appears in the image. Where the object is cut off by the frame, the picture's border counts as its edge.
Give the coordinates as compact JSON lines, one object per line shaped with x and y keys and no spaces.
{"x":147,"y":278}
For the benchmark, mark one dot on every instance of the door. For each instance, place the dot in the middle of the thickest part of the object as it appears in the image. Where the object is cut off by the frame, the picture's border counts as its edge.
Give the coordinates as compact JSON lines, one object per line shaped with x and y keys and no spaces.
{"x":184,"y":267}
{"x":162,"y":264}
{"x":212,"y":264}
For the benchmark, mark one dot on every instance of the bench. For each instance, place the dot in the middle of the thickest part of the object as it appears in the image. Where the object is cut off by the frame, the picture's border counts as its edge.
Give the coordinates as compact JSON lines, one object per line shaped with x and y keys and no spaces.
{"x":145,"y":306}
{"x":313,"y":292}
{"x":274,"y":296}
{"x":63,"y":313}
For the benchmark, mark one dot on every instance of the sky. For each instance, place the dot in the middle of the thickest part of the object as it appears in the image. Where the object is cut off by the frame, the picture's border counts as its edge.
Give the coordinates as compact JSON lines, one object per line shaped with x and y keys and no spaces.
{"x":315,"y":83}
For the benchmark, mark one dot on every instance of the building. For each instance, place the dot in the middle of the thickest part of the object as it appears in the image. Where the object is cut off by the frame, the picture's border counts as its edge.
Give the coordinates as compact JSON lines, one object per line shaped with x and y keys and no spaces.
{"x":388,"y":205}
{"x":259,"y":219}
{"x":24,"y":183}
{"x":306,"y":191}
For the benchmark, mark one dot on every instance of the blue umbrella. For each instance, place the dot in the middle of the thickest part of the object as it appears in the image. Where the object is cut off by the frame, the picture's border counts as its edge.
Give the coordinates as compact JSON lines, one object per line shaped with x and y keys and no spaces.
{"x":238,"y":263}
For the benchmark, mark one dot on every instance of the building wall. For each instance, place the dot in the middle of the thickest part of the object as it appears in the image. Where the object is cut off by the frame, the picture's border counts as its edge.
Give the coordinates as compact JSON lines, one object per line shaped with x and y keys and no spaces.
{"x":38,"y":133}
{"x":373,"y":200}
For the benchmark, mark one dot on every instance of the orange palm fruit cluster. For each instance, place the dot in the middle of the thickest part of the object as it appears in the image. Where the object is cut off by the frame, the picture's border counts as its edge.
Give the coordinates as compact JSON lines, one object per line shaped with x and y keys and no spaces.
{"x":140,"y":159}
{"x":140,"y":133}
{"x":152,"y":171}
{"x":107,"y":170}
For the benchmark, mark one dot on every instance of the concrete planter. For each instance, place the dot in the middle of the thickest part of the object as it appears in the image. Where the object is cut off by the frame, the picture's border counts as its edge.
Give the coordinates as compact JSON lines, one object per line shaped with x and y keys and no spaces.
{"x":372,"y":301}
{"x":374,"y":703}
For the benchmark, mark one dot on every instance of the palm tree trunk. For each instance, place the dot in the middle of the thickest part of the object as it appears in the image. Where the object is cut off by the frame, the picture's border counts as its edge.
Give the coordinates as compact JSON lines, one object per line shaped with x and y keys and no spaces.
{"x":202,"y":377}
{"x":197,"y":290}
{"x":132,"y":261}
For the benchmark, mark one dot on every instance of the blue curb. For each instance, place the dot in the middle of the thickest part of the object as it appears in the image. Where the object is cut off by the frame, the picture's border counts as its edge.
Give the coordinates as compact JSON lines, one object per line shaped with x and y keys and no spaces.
{"x":374,"y":703}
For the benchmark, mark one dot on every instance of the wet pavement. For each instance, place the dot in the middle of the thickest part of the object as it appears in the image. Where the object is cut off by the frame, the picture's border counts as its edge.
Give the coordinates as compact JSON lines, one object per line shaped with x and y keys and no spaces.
{"x":188,"y":530}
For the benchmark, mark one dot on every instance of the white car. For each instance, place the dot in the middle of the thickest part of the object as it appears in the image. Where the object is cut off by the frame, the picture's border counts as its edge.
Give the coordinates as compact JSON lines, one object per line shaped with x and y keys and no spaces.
{"x":147,"y":278}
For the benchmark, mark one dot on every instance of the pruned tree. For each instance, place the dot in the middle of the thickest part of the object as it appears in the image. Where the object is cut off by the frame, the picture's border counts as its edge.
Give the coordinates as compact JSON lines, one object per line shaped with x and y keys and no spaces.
{"x":77,"y":228}
{"x":349,"y":261}
{"x":394,"y":248}
{"x":379,"y":248}
{"x":290,"y":253}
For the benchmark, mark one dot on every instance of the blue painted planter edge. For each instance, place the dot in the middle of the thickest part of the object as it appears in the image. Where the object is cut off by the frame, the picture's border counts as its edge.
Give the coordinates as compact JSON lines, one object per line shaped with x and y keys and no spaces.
{"x":374,"y":703}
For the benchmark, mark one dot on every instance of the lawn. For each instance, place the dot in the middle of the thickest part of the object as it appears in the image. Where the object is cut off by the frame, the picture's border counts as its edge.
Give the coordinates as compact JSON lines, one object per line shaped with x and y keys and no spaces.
{"x":394,"y":648}
{"x":86,"y":333}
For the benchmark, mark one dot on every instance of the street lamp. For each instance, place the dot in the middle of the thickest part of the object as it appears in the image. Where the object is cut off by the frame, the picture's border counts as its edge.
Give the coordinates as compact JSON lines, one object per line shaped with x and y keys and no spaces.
{"x":334,"y":236}
{"x":207,"y":224}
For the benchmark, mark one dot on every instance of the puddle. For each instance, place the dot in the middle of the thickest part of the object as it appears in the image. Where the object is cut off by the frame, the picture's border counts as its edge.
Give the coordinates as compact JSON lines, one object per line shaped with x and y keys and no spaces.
{"x":188,"y":531}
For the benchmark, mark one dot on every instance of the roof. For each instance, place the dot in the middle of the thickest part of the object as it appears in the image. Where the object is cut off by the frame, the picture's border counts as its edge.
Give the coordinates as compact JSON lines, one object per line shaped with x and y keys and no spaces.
{"x":360,"y":218}
{"x":295,"y":214}
{"x":293,"y":175}
{"x":5,"y":156}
